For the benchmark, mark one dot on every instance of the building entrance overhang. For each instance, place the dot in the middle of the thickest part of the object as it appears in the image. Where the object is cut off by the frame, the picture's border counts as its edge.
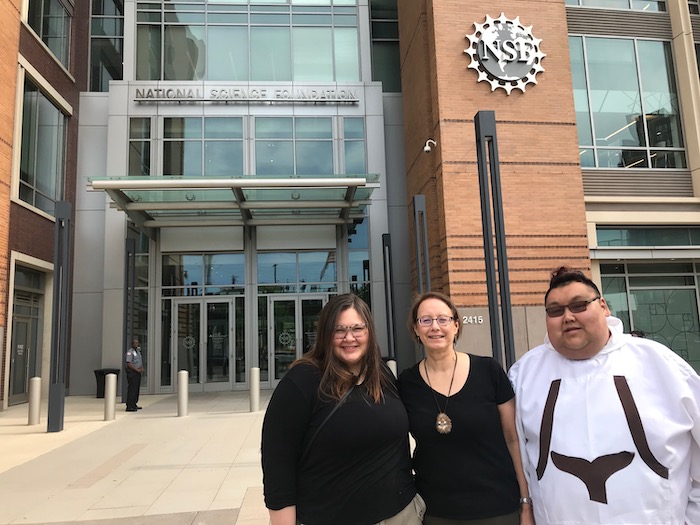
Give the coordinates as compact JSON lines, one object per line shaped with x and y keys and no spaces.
{"x":158,"y":202}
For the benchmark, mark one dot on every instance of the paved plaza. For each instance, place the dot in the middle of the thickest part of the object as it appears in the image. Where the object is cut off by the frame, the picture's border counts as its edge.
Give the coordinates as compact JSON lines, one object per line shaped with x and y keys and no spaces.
{"x":149,"y":467}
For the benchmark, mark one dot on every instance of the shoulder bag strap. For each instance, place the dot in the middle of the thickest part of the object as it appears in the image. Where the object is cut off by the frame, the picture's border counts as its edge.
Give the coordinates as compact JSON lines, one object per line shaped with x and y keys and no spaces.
{"x":336,"y":407}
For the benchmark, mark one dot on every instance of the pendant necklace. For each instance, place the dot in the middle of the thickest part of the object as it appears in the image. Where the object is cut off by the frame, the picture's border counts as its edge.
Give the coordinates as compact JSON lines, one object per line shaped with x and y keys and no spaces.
{"x":443,"y":423}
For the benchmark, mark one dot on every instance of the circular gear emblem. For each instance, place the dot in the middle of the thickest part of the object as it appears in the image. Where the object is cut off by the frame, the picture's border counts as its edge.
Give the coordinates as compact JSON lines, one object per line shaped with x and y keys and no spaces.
{"x":505,"y":53}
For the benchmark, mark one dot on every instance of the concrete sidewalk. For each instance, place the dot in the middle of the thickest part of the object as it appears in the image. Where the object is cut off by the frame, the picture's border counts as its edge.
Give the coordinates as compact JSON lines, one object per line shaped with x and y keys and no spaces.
{"x":144,"y":468}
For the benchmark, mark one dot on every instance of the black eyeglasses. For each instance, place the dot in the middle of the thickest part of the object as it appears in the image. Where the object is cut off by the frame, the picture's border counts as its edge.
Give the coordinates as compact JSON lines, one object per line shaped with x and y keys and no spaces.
{"x":442,"y":320}
{"x":575,"y":308}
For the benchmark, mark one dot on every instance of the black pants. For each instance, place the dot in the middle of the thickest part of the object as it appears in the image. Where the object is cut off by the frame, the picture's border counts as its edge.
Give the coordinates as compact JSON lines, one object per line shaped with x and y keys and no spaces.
{"x":133,"y":385}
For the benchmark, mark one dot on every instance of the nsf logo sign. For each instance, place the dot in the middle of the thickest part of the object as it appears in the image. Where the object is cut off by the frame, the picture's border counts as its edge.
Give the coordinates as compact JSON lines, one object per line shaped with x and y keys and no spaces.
{"x":505,"y":53}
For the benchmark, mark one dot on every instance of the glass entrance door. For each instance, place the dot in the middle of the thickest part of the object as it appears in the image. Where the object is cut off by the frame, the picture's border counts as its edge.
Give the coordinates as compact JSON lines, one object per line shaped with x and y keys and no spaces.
{"x":292,"y":330}
{"x":203,"y":334}
{"x":20,"y":360}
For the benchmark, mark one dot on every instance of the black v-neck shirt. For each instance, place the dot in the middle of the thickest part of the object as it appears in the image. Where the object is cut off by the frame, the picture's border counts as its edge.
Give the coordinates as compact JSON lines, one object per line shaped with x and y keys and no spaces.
{"x":468,"y":473}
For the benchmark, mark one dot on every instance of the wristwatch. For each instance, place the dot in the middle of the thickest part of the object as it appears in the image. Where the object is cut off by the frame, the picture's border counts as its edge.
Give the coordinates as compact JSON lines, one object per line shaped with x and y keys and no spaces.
{"x":527,"y":500}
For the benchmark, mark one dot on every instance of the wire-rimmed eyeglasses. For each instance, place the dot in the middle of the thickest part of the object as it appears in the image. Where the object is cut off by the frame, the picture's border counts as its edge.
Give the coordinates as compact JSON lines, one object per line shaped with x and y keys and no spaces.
{"x":357,"y":330}
{"x":575,"y":308}
{"x":442,"y":320}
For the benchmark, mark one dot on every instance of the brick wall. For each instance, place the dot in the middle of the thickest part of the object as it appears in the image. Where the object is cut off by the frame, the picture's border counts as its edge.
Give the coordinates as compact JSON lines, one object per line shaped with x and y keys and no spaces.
{"x":538,"y":149}
{"x":9,"y":42}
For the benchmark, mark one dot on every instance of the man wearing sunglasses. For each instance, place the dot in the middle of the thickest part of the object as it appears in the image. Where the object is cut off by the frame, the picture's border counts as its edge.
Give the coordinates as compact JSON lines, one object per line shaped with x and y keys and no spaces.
{"x":609,"y":424}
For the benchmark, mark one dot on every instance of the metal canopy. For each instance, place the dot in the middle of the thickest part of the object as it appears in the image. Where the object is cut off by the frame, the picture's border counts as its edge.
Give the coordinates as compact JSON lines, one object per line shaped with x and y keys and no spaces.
{"x":157,"y":202}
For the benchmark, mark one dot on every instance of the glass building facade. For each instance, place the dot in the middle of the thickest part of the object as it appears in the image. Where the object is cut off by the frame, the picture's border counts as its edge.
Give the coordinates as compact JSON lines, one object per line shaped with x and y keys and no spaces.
{"x":209,"y":98}
{"x":261,"y":156}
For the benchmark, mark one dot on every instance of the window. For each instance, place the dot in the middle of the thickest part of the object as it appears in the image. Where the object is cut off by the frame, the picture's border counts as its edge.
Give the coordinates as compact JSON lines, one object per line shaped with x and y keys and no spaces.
{"x":314,"y":41}
{"x":42,"y":165}
{"x":140,"y":147}
{"x":637,"y":5}
{"x":635,"y":237}
{"x":358,"y":260}
{"x":106,"y":43}
{"x":286,"y":146}
{"x":139,"y":305}
{"x":292,"y":272}
{"x":51,"y":22}
{"x":203,"y":274}
{"x":212,"y":146}
{"x":355,"y":155}
{"x":659,"y":299}
{"x":385,"y":44}
{"x":283,"y":146}
{"x":627,"y":111}
{"x":694,"y":7}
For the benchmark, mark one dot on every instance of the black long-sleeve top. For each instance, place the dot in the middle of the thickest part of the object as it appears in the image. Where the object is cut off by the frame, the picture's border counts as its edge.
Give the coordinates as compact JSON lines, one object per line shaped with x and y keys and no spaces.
{"x":357,"y":471}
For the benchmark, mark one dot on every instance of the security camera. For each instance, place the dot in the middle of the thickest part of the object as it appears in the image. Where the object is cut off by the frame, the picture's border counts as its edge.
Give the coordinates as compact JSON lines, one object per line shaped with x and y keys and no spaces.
{"x":428,"y":145}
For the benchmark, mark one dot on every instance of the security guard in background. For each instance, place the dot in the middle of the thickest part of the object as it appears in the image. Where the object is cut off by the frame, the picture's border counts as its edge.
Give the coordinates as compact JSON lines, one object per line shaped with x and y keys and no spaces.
{"x":134,"y":369}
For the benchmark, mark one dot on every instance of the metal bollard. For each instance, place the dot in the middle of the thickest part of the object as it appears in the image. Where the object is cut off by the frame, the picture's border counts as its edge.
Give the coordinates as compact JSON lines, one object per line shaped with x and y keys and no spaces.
{"x":183,"y":385}
{"x":110,"y":396}
{"x":392,"y":366}
{"x":254,"y":389}
{"x":34,"y":400}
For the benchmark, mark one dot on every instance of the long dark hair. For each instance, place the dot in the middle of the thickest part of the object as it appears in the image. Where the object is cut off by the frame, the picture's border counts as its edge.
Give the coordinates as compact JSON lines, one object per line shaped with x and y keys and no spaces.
{"x":336,"y":378}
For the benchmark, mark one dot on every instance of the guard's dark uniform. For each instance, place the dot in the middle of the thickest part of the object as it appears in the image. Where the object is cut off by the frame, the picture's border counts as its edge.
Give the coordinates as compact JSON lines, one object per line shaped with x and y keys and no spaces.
{"x":133,"y":378}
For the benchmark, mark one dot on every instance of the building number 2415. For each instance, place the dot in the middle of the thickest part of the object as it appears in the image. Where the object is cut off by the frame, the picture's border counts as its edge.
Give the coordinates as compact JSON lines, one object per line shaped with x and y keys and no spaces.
{"x":472,"y":319}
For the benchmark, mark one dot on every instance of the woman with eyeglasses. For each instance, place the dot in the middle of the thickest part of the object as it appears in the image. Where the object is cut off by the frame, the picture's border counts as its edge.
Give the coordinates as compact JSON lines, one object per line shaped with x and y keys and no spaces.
{"x":461,"y":411}
{"x":335,"y":435}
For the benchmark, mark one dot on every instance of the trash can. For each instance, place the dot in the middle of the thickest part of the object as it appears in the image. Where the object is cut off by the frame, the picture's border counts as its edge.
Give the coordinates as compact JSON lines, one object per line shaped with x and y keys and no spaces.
{"x":100,"y":374}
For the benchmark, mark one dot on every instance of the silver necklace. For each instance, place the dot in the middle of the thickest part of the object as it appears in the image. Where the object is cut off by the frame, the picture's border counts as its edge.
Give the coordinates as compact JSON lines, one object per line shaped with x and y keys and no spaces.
{"x":443,"y":423}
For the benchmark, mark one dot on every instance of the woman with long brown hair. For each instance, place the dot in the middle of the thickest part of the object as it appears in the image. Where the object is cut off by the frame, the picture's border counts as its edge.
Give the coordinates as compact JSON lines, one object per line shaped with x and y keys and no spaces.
{"x":335,"y":435}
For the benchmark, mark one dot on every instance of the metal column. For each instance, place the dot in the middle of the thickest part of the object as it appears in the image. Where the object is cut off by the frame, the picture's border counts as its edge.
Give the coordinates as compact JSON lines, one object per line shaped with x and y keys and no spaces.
{"x":487,"y":157}
{"x":129,"y":297}
{"x":59,"y":318}
{"x":420,"y":234}
{"x":389,"y":291}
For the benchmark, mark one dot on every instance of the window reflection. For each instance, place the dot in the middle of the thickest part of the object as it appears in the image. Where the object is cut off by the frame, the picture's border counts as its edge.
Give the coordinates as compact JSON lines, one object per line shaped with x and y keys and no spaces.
{"x":203,"y":274}
{"x":303,"y":272}
{"x":310,"y":154}
{"x":210,"y":146}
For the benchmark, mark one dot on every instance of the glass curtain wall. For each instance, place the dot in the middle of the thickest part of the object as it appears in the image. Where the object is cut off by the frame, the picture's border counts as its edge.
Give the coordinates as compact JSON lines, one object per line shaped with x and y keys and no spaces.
{"x":627,"y":111}
{"x":305,"y":41}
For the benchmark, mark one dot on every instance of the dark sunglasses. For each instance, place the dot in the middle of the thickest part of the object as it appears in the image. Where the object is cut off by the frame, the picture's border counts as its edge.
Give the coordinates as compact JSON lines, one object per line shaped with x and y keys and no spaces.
{"x":575,"y":308}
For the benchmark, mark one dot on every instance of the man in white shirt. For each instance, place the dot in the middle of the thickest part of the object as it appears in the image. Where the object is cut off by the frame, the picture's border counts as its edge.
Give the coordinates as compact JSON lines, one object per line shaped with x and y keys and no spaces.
{"x":609,"y":424}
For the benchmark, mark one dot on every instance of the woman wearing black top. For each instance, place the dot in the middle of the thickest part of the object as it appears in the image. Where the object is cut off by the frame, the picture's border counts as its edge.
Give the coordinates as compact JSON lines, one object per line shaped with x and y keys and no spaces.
{"x":461,"y":410}
{"x":350,"y":466}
